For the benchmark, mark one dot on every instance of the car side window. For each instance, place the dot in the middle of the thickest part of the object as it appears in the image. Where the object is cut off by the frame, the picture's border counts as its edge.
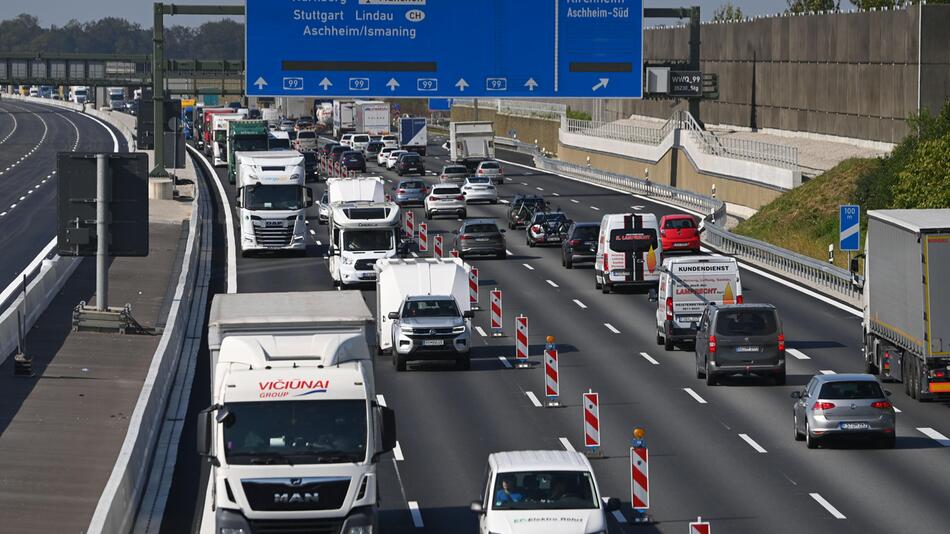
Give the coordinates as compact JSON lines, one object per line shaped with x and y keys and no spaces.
{"x":810,"y":388}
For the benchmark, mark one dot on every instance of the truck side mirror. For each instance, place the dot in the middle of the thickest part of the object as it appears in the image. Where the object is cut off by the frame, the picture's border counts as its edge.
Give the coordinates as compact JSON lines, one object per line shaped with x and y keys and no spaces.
{"x":204,"y":436}
{"x":796,"y":394}
{"x":612,"y":505}
{"x":237,"y":199}
{"x":309,"y":197}
{"x":477,"y":507}
{"x":652,"y":295}
{"x":855,"y":265}
{"x":389,"y":428}
{"x":393,"y":315}
{"x":468,"y":314}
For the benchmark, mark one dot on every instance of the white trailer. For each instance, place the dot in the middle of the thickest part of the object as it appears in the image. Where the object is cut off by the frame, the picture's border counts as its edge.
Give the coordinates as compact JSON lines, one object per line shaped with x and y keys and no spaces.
{"x":219,"y":136}
{"x":372,"y":117}
{"x":272,"y":201}
{"x":294,"y":432}
{"x":344,"y":117}
{"x":471,"y":143}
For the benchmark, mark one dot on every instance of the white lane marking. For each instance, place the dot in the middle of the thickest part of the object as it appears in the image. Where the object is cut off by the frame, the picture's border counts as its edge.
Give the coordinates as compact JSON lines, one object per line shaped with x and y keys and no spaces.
{"x":566,"y":443}
{"x":228,"y":218}
{"x":934,"y":435}
{"x":595,"y":208}
{"x":611,"y":328}
{"x":575,"y":201}
{"x":580,"y":304}
{"x":637,"y":208}
{"x":528,"y":267}
{"x":618,"y":516}
{"x":649,"y":358}
{"x":827,"y":506}
{"x":4,"y":214}
{"x":556,"y":194}
{"x":319,"y":243}
{"x":758,"y":448}
{"x":397,"y":453}
{"x":12,"y":206}
{"x":539,"y":188}
{"x":22,"y":198}
{"x":416,"y":514}
{"x":313,"y":232}
{"x":695,"y":395}
{"x":534,"y":400}
{"x":524,"y":183}
{"x":797,"y":354}
{"x":505,"y":362}
{"x":480,"y":331}
{"x":381,"y":400}
{"x":827,"y":372}
{"x":415,"y":255}
{"x":551,"y":283}
{"x":508,"y":252}
{"x":503,"y":201}
{"x":896,"y":409}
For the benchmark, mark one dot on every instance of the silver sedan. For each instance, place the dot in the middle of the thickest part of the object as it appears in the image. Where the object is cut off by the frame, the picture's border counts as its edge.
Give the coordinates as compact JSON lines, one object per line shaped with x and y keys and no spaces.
{"x":479,"y":189}
{"x":843,"y":406}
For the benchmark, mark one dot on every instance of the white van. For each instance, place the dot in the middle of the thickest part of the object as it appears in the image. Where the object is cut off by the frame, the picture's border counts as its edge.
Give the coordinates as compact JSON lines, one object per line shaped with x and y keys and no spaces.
{"x":687,"y":285}
{"x":359,"y":142}
{"x":554,"y":492}
{"x":629,"y":251}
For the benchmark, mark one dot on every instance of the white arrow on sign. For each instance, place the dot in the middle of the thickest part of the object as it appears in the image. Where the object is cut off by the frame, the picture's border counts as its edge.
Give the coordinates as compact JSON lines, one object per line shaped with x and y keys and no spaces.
{"x":462,"y":84}
{"x":603,"y":83}
{"x":260,"y":83}
{"x":393,"y":84}
{"x":325,"y":83}
{"x":531,"y":84}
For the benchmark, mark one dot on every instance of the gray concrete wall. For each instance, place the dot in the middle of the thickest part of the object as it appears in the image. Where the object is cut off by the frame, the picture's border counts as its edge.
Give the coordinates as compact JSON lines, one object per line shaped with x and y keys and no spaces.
{"x":845,"y":74}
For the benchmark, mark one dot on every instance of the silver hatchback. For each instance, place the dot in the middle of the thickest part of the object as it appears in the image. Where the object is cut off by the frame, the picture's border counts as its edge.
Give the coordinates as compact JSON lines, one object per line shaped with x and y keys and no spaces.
{"x":843,"y":406}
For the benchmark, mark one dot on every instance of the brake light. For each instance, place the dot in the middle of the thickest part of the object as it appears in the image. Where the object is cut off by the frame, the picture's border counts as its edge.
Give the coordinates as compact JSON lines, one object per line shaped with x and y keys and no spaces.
{"x":938,"y":373}
{"x":781,"y":342}
{"x":739,"y":299}
{"x":574,"y":242}
{"x":712,"y":344}
{"x":480,"y":171}
{"x":881,"y":405}
{"x":424,"y":191}
{"x":464,"y":237}
{"x":460,"y":197}
{"x":606,"y":263}
{"x":400,"y":190}
{"x":536,"y":228}
{"x":669,"y":308}
{"x":819,"y":407}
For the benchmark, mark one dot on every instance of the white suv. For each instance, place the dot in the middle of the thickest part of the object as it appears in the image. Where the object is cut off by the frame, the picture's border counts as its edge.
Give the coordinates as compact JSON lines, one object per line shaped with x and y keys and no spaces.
{"x":383,"y":155}
{"x":390,"y":140}
{"x":347,"y":140}
{"x":359,"y":142}
{"x":445,"y":198}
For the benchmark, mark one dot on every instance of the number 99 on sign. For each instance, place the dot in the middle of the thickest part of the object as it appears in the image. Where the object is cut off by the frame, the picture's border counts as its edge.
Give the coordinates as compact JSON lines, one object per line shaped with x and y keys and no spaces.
{"x":496,"y":84}
{"x":427,"y":84}
{"x":359,"y":84}
{"x":293,"y":84}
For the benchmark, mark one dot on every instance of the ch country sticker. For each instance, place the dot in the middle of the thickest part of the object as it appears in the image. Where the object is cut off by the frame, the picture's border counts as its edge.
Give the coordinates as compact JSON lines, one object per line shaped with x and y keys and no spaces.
{"x":277,"y":389}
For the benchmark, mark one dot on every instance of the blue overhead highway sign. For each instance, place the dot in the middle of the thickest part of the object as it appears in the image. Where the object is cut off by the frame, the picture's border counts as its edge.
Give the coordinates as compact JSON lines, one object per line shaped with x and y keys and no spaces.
{"x":849,"y":228}
{"x":445,"y":48}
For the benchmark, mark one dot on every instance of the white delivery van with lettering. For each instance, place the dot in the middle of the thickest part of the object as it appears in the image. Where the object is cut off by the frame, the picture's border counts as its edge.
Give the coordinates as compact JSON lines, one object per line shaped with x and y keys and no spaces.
{"x":687,"y":285}
{"x":628,"y":251}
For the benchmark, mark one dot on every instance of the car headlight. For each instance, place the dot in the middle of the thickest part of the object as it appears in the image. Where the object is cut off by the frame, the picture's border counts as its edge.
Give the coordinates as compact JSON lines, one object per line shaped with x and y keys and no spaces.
{"x":362,"y":529}
{"x":227,"y":530}
{"x":405,"y":329}
{"x":348,"y":261}
{"x":458,"y":329}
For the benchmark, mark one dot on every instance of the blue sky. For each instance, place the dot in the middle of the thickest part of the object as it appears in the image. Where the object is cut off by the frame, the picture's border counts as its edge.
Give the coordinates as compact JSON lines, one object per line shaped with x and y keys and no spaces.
{"x":59,"y":12}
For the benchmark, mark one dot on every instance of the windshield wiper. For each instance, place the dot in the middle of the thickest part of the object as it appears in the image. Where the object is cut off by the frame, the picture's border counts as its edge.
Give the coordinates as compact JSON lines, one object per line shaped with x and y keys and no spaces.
{"x":262,"y":457}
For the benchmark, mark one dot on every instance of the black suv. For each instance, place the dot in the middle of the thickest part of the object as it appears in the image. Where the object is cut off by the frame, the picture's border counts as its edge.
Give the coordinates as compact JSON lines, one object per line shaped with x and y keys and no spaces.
{"x":353,"y":160}
{"x":740,"y":339}
{"x":580,"y":245}
{"x":522,"y":208}
{"x":409,"y":163}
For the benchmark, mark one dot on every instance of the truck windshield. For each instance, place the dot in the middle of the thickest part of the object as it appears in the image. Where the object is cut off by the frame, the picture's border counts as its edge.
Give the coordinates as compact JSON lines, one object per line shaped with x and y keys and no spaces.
{"x":367,"y":240}
{"x":430,"y":308}
{"x":273,"y":197}
{"x":548,"y":490}
{"x":220,"y":136}
{"x":295,"y":432}
{"x":253,"y":144}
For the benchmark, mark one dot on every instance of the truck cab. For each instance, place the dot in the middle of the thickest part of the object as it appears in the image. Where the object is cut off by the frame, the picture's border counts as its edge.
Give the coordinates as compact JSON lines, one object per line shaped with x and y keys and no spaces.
{"x":272,"y":201}
{"x":219,"y":136}
{"x":294,"y":432}
{"x":363,"y":229}
{"x":245,"y":136}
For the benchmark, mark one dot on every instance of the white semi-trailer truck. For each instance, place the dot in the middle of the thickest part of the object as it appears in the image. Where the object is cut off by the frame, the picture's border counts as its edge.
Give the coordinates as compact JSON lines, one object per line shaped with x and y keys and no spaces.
{"x":273,"y":198}
{"x":906,"y":291}
{"x":294,"y":431}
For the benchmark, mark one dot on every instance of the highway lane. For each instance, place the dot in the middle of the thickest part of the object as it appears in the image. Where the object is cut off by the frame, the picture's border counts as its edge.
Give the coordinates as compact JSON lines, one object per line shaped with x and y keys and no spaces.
{"x":28,"y":196}
{"x":704,"y":460}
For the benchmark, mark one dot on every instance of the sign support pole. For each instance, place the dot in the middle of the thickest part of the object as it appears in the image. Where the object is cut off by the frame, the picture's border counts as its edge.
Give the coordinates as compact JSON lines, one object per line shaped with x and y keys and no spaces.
{"x":102,"y":232}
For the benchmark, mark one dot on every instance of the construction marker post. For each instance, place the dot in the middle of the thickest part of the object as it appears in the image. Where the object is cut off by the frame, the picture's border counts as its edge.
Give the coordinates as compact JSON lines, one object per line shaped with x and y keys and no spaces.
{"x":591,"y":403}
{"x":496,"y":313}
{"x":410,"y":225}
{"x":639,"y":476}
{"x":454,"y":253}
{"x":522,"y":350}
{"x":700,"y":527}
{"x":552,"y":385}
{"x":473,"y":288}
{"x":423,"y":237}
{"x":437,"y":246}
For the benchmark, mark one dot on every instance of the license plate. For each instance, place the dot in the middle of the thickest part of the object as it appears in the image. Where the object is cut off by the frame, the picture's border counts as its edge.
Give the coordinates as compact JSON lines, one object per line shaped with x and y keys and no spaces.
{"x":432,"y":342}
{"x":680,"y":244}
{"x":619,"y":273}
{"x":688,"y":318}
{"x":748,"y":349}
{"x":854,"y":426}
{"x":483,"y":239}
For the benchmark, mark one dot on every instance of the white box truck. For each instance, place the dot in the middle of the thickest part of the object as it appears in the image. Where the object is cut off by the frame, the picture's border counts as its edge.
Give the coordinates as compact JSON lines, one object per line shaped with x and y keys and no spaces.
{"x":372,"y":117}
{"x":471,"y":143}
{"x":364,"y":228}
{"x":219,"y":135}
{"x":424,"y":310}
{"x":294,"y":431}
{"x":272,"y":201}
{"x":344,"y":117}
{"x":906,"y":293}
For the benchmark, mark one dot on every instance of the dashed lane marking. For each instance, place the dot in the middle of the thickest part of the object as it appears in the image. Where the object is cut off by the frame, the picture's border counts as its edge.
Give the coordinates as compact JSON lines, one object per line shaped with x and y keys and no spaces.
{"x":551,"y":283}
{"x":649,"y":358}
{"x":397,"y":453}
{"x":480,"y":331}
{"x":827,"y":372}
{"x":381,"y":400}
{"x":528,"y":267}
{"x":534,"y":400}
{"x":827,"y":506}
{"x":611,"y":328}
{"x":695,"y":396}
{"x":416,"y":514}
{"x":758,"y":448}
{"x":580,"y":304}
{"x":505,"y":362}
{"x":566,"y":443}
{"x":934,"y":435}
{"x":797,"y":354}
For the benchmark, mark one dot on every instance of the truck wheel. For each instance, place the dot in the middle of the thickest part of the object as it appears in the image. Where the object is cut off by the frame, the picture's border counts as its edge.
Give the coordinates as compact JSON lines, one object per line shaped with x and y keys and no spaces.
{"x":779,"y":379}
{"x":463,"y":363}
{"x":605,"y":288}
{"x":668,"y":344}
{"x":659,"y":338}
{"x":597,"y":284}
{"x":905,"y":376}
{"x":869,"y":359}
{"x":711,"y":379}
{"x":399,"y":361}
{"x":913,"y":382}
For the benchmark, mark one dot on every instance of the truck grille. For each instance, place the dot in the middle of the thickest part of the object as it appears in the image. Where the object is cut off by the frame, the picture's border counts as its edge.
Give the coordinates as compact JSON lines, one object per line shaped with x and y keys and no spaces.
{"x":297,"y":526}
{"x":274,"y":236}
{"x":365,"y":265}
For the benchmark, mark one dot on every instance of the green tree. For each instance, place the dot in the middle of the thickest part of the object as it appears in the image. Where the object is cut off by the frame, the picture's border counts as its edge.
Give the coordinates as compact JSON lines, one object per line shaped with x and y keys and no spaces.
{"x":728,"y":12}
{"x":925,"y":182}
{"x":812,"y":6}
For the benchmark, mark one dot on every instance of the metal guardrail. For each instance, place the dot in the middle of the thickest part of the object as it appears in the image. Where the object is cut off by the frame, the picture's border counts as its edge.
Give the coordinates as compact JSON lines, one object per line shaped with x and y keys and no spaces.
{"x":519,"y":108}
{"x":829,"y":279}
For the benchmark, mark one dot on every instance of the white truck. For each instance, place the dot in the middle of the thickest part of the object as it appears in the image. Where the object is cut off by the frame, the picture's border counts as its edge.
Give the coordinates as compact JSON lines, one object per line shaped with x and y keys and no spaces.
{"x":271,"y":116}
{"x":294,"y":431}
{"x":272,"y":201}
{"x":906,"y":293}
{"x":78,"y":94}
{"x":116,"y":98}
{"x":364,"y":228}
{"x":219,"y":135}
{"x":471,"y":143}
{"x":344,"y":117}
{"x":372,"y":117}
{"x":424,"y":310}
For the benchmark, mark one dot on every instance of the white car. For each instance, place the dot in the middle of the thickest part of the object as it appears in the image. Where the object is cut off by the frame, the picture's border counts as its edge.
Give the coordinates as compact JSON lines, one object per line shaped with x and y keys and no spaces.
{"x":347,"y":140}
{"x":445,"y":198}
{"x":359,"y":142}
{"x":394,"y":158}
{"x":323,"y":209}
{"x":383,"y":155}
{"x":493,"y":170}
{"x":541,"y":491}
{"x":479,"y":189}
{"x":390,"y":140}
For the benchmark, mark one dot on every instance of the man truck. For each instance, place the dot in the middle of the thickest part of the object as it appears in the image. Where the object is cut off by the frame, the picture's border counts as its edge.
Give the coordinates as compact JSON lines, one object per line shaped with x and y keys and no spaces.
{"x":272,"y":201}
{"x":294,"y":431}
{"x":906,"y":293}
{"x":471,"y":143}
